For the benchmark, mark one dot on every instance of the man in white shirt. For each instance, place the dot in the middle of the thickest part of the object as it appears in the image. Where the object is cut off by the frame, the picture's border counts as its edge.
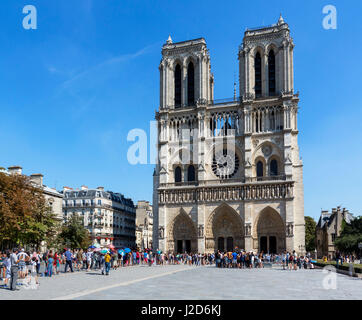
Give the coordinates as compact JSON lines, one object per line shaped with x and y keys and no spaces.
{"x":89,"y":259}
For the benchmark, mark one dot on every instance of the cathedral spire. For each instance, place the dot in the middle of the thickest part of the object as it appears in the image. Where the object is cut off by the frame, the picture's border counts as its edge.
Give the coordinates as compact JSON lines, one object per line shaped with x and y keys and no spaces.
{"x":281,"y":20}
{"x":169,"y":40}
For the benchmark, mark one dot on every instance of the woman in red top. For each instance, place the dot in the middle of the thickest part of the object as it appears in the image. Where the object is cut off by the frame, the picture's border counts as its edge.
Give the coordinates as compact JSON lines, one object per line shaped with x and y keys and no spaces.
{"x":56,"y":263}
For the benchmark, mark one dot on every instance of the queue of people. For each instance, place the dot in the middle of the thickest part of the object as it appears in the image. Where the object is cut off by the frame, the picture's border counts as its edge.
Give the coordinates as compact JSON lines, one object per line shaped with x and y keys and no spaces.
{"x":20,"y":267}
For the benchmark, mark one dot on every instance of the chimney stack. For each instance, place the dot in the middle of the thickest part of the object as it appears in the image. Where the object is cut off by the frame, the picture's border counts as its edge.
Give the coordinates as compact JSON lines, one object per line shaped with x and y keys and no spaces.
{"x":84,"y":188}
{"x":37,"y":178}
{"x":100,"y":188}
{"x":15,"y":170}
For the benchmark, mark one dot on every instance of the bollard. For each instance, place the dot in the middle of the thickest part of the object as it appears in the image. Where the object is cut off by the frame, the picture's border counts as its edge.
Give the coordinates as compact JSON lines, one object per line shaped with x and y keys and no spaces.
{"x":351,"y":269}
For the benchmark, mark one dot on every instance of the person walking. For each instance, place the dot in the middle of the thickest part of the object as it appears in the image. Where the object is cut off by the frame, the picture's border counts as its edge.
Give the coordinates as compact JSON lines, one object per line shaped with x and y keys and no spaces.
{"x":50,"y":265}
{"x":22,"y":255}
{"x":79,"y":259}
{"x":284,"y":256}
{"x":115,"y":260}
{"x":7,"y":266}
{"x":107,"y":261}
{"x":102,"y":263}
{"x":14,"y":269}
{"x":68,"y":260}
{"x":89,"y":259}
{"x":56,"y":263}
{"x":295,"y":260}
{"x":34,"y":272}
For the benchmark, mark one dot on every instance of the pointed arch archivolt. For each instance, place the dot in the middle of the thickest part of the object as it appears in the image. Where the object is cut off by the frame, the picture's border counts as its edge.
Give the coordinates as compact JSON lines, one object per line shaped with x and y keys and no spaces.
{"x":224,"y":222}
{"x":268,"y":221}
{"x":181,"y":228}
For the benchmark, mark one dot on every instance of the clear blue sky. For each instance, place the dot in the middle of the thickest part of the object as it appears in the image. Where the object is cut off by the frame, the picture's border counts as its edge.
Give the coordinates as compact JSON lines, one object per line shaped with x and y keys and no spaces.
{"x":71,"y":90}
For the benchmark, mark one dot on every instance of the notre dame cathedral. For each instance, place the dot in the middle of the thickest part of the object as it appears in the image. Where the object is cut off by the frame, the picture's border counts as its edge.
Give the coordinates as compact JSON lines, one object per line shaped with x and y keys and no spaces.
{"x":229,"y":173}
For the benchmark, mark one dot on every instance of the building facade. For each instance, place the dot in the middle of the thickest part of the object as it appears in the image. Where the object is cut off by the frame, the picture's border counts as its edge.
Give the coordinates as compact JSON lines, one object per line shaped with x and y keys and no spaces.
{"x":109,"y":217}
{"x":229,"y":172}
{"x":52,"y":196}
{"x":144,"y":225}
{"x":328,"y":228}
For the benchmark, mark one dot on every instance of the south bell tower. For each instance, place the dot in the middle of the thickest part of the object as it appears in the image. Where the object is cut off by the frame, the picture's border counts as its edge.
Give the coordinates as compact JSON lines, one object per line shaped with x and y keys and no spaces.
{"x":252,"y":199}
{"x":270,"y":109}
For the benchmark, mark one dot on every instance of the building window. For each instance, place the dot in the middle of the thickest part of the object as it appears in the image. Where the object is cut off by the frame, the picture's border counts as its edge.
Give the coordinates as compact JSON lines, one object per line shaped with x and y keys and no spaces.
{"x":273,"y":168}
{"x":259,"y":169}
{"x":190,"y":84}
{"x":257,"y":75}
{"x":99,"y":202}
{"x":271,"y":64}
{"x":178,"y":174}
{"x":178,"y":86}
{"x":333,"y":237}
{"x":191,"y":173}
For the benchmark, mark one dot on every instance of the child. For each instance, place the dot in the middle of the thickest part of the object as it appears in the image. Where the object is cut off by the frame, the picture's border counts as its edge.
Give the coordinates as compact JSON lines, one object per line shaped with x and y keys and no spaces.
{"x":33,"y":269}
{"x":50,"y":265}
{"x":7,"y":265}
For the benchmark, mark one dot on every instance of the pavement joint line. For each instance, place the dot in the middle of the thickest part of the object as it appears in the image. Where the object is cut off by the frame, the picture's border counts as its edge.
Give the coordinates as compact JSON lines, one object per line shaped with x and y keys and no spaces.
{"x":85,"y":293}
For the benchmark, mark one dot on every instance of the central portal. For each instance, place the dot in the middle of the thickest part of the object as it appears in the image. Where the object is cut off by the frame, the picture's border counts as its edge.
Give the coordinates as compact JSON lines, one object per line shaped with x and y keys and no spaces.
{"x":224,"y":231}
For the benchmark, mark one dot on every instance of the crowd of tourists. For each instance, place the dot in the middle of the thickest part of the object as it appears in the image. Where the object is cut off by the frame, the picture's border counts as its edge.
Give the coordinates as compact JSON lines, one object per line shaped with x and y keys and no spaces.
{"x":21,"y":267}
{"x":243,"y":259}
{"x":239,"y":259}
{"x":18,"y":267}
{"x":341,"y":259}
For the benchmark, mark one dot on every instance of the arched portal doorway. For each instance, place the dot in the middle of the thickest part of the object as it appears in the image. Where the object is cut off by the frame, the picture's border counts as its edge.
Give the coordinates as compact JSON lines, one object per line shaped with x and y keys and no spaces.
{"x":270,"y":231}
{"x":182,"y":235}
{"x":224,"y":230}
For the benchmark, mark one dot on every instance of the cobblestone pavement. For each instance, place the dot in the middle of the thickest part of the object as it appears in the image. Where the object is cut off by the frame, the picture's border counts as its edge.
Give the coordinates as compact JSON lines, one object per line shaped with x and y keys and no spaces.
{"x":179,"y":282}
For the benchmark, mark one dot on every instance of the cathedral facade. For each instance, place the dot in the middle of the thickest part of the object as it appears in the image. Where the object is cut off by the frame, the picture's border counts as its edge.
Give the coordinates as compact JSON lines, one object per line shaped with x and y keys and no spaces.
{"x":229,"y":173}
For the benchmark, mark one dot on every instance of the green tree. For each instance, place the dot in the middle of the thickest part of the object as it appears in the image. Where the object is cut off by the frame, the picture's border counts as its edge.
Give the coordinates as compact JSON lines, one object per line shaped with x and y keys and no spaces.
{"x":350,"y":237}
{"x":25,"y":216}
{"x":73,"y":234}
{"x":310,"y":226}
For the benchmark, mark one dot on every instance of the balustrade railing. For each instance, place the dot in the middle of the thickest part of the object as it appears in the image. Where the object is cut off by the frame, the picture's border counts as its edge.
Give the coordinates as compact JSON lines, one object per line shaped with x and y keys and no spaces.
{"x":245,"y":192}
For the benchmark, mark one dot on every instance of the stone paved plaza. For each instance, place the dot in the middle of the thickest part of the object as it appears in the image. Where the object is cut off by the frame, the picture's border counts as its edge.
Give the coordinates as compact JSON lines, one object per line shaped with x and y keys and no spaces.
{"x":179,"y":282}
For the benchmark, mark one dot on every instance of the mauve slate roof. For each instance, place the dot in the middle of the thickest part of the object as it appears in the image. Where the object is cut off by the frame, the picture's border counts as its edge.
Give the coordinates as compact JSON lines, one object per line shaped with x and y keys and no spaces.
{"x":93,"y":193}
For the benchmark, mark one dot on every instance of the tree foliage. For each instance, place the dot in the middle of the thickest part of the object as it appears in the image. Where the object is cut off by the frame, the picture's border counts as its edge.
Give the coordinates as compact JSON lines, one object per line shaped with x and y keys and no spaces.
{"x":25,"y":216}
{"x":310,"y":228}
{"x":350,"y":237}
{"x":73,"y":234}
